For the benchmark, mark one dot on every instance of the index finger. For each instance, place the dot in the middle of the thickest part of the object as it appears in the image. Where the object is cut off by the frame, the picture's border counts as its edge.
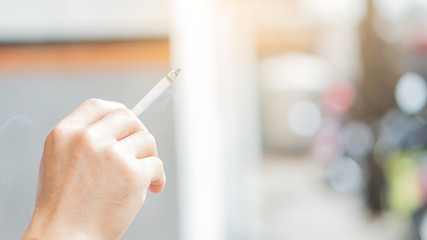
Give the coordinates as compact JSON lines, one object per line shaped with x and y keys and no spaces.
{"x":91,"y":111}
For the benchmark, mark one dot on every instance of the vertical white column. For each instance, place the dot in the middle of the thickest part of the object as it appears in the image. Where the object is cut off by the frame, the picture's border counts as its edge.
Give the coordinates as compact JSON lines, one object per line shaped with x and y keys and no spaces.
{"x":218,"y":142}
{"x":240,"y":110}
{"x":200,"y":151}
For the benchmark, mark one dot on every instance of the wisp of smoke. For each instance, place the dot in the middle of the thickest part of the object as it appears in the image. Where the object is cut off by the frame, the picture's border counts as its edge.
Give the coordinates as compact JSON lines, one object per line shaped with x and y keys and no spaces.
{"x":162,"y":102}
{"x":17,"y":118}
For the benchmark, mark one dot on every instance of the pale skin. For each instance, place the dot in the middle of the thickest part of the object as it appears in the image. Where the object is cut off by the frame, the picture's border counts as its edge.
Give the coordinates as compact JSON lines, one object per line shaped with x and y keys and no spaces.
{"x":96,"y":167}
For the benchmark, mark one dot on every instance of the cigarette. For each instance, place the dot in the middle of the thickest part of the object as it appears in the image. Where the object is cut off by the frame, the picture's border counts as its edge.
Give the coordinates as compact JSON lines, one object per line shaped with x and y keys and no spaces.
{"x":155,"y":92}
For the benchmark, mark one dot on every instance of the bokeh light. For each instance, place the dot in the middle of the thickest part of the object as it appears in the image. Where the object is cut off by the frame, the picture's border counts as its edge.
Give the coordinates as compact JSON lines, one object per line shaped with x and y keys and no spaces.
{"x":411,"y":93}
{"x":357,"y":138}
{"x":345,"y":175}
{"x":339,"y":97}
{"x":304,"y":118}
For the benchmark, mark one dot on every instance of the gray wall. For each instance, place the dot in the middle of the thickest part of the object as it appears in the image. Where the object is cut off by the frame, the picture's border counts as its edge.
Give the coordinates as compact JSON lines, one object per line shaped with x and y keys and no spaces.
{"x":32,"y":103}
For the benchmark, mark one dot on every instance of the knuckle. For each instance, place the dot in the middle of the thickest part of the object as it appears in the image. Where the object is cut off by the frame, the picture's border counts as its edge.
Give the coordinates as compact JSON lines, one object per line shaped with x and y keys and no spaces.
{"x":118,"y":105}
{"x":131,"y":175}
{"x":158,"y":163}
{"x":128,"y":174}
{"x":150,"y":144}
{"x":148,"y":137}
{"x":152,"y":141}
{"x":58,"y":132}
{"x":130,"y":116}
{"x":94,"y":102}
{"x":86,"y":137}
{"x":124,"y":112}
{"x":115,"y":152}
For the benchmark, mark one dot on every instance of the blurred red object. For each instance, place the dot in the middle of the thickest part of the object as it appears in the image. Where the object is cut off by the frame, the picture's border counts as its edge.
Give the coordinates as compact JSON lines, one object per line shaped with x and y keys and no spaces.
{"x":420,"y":41}
{"x":422,"y":177}
{"x":339,"y":97}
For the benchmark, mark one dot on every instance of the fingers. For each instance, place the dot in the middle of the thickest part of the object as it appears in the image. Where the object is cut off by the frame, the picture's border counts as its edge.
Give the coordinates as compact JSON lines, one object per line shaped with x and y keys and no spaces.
{"x":140,"y":144}
{"x":91,"y":111}
{"x":113,"y":120}
{"x":118,"y":124}
{"x":153,"y":168}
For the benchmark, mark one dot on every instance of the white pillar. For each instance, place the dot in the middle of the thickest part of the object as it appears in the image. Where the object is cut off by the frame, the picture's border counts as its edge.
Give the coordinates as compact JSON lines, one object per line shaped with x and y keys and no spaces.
{"x":216,"y":120}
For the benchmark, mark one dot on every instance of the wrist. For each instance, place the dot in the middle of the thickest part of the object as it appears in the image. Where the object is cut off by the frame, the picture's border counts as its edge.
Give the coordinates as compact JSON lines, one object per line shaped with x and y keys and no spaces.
{"x":42,"y":228}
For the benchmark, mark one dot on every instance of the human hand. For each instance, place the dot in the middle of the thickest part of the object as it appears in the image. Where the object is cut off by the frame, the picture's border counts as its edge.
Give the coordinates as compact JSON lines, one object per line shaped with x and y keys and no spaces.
{"x":96,"y":167}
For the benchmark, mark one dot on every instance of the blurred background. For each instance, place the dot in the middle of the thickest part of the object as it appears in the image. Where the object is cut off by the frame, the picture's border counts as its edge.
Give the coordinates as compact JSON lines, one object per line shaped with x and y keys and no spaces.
{"x":292,"y":119}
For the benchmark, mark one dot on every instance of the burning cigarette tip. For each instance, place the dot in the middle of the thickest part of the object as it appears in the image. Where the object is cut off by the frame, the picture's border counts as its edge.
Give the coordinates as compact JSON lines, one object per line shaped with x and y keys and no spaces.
{"x":172,"y":75}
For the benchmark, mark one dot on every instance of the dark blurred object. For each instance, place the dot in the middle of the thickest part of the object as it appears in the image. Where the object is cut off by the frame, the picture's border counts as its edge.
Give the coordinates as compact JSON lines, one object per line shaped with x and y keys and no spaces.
{"x":376,"y":93}
{"x":381,"y":69}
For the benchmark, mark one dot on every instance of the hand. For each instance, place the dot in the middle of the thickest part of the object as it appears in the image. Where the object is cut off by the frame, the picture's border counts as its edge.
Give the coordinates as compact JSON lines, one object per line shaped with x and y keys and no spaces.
{"x":95,"y":170}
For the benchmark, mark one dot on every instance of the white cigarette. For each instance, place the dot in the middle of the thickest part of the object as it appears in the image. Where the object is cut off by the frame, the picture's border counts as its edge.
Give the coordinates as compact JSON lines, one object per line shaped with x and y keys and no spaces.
{"x":155,"y":92}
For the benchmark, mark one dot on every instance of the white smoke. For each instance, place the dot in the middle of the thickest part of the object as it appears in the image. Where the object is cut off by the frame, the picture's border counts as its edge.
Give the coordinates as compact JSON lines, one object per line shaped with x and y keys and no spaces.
{"x":163,"y":101}
{"x":17,"y":118}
